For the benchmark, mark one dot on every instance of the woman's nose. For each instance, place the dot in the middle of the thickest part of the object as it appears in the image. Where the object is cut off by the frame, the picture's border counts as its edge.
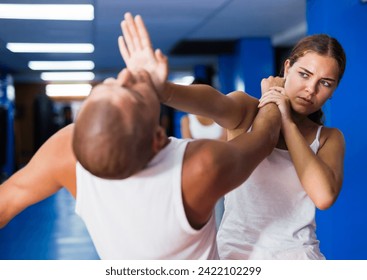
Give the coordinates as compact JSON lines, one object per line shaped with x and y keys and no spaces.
{"x":311,"y":87}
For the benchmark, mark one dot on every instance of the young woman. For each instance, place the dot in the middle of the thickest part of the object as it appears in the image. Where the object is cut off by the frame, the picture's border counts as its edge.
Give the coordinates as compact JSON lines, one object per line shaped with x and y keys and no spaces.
{"x":272,"y":214}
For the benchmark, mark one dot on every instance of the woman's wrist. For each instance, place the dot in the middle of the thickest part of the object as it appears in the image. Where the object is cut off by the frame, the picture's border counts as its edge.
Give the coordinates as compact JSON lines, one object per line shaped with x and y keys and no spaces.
{"x":287,"y":125}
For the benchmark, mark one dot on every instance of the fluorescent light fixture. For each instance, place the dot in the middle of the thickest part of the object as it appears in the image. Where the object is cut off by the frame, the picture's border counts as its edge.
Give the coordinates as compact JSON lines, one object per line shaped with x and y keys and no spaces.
{"x":68,"y":90}
{"x":67,"y":76}
{"x":49,"y":48}
{"x":10,"y":92}
{"x":185,"y":80}
{"x":47,"y":12}
{"x":61,"y":65}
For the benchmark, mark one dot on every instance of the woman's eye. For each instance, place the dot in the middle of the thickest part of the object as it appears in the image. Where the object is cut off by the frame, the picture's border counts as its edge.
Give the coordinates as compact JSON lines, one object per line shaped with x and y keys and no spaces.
{"x":325,"y":83}
{"x":303,"y":74}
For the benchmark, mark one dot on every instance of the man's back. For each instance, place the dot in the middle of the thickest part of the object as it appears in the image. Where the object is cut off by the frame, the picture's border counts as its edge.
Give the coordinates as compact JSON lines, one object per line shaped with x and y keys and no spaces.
{"x":143,"y":217}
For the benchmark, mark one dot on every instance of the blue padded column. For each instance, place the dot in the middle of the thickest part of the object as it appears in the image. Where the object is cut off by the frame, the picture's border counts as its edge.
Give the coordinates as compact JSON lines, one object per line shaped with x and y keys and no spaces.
{"x":342,"y":229}
{"x":7,"y":96}
{"x":252,"y":61}
{"x":226,"y":70}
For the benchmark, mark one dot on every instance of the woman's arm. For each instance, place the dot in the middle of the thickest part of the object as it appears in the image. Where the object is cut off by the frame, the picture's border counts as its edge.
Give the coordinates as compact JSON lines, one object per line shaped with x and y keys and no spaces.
{"x":230,"y":111}
{"x":321,"y":175}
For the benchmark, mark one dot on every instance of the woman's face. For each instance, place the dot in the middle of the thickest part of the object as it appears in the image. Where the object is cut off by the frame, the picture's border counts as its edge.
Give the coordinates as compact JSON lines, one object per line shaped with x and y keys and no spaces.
{"x":310,"y":81}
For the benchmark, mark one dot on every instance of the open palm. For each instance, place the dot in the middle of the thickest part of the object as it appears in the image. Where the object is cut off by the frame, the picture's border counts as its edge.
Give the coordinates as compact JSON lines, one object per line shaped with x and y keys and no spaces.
{"x":137,"y":51}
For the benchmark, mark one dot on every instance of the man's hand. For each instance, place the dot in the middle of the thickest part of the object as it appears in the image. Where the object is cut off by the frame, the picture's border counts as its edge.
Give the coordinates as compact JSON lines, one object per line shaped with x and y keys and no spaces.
{"x":137,"y":51}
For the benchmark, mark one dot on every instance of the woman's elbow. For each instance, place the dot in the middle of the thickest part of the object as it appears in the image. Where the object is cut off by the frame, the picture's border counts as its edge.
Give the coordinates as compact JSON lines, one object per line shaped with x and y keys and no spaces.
{"x":325,"y":201}
{"x":324,"y":204}
{"x":3,"y":222}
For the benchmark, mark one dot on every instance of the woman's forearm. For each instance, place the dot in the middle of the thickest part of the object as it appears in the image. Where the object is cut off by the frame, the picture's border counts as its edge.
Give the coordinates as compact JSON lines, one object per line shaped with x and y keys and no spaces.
{"x":321,"y":181}
{"x":196,"y":99}
{"x":226,"y":110}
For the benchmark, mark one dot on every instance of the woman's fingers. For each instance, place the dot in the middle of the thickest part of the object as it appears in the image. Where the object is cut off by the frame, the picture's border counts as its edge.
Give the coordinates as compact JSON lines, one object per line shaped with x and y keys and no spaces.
{"x":142,"y":32}
{"x":132,"y":28}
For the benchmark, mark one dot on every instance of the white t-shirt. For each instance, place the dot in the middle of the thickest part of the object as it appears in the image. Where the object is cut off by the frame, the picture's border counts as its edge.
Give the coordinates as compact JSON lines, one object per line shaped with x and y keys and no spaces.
{"x":200,"y":131}
{"x":143,"y":217}
{"x":270,"y":216}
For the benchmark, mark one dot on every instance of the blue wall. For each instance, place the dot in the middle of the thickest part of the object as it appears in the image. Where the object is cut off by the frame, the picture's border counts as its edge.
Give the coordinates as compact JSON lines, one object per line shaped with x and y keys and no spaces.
{"x":7,"y":96}
{"x":343,"y":228}
{"x":226,"y":69}
{"x":252,"y":61}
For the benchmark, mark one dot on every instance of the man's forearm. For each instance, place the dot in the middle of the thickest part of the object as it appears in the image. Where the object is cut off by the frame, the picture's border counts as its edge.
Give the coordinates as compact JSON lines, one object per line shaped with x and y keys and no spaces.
{"x":268,"y":123}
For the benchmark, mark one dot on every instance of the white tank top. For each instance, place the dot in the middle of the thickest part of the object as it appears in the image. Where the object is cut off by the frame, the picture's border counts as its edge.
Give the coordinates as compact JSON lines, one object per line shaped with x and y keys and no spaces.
{"x":270,"y":216}
{"x":143,"y":217}
{"x":200,"y":131}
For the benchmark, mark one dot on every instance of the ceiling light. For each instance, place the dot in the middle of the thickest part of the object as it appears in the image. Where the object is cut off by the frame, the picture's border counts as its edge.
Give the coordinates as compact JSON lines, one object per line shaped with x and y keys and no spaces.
{"x":68,"y":90}
{"x":67,"y":76}
{"x":185,"y":80}
{"x":49,"y":48}
{"x":47,"y":12}
{"x":62,"y":65}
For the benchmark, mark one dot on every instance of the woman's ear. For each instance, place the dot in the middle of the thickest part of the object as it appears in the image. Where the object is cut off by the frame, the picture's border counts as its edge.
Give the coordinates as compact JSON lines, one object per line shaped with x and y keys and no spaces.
{"x":287,"y":65}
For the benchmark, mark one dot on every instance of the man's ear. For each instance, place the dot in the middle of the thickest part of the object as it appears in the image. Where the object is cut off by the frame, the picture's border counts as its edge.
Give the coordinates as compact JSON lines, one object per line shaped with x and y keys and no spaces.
{"x":159,"y":139}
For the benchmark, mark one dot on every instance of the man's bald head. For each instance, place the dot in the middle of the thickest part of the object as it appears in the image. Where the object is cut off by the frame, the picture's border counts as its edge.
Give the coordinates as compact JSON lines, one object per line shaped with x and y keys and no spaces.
{"x":114,"y":132}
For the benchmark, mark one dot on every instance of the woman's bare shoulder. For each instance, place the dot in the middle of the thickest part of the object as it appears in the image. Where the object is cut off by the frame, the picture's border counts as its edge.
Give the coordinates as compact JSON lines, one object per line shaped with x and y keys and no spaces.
{"x":331,"y":135}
